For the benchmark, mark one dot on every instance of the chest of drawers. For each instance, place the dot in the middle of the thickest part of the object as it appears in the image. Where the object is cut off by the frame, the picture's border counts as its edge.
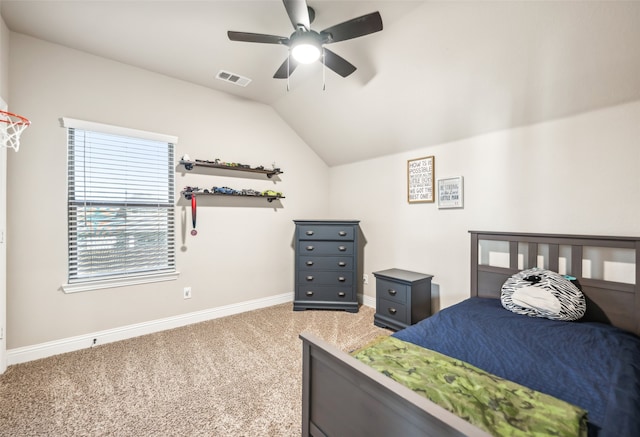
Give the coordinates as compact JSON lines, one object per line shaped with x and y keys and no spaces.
{"x":326,"y":265}
{"x":403,"y":298}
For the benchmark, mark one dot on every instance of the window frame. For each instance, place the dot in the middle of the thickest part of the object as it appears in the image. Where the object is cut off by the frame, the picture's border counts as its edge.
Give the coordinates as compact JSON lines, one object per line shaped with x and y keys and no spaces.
{"x":88,"y":284}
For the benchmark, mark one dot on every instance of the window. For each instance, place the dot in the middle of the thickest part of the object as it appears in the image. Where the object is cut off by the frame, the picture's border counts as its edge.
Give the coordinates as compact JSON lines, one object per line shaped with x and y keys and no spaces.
{"x":120,"y":206}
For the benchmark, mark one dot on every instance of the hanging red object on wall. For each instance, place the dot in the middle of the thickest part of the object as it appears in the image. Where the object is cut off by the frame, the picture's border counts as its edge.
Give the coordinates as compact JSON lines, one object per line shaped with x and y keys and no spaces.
{"x":193,"y":214}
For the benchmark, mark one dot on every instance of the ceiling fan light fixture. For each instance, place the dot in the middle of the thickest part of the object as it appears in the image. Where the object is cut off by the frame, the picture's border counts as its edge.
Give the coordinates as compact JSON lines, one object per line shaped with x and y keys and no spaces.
{"x":305,"y":53}
{"x":306,"y":49}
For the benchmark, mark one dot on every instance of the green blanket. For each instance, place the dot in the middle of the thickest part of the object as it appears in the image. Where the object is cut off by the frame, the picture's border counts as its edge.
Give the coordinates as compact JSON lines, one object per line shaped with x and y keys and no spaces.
{"x":496,"y":405}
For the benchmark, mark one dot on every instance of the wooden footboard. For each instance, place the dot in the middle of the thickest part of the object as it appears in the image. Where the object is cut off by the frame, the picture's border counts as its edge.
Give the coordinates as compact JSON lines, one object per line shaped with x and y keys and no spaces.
{"x":343,"y":397}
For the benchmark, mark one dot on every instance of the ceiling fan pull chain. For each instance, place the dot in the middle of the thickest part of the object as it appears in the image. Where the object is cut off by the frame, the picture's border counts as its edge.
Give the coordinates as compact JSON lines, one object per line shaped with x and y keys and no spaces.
{"x":288,"y":71}
{"x":324,"y":69}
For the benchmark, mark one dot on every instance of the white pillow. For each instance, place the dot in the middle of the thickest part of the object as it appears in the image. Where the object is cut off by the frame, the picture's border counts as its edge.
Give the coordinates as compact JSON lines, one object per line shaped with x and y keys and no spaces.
{"x":543,"y":293}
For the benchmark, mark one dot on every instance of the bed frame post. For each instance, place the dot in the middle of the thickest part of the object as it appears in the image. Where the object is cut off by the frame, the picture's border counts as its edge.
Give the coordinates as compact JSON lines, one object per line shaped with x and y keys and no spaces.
{"x":474,"y":263}
{"x":306,"y":377}
{"x":637,"y":296}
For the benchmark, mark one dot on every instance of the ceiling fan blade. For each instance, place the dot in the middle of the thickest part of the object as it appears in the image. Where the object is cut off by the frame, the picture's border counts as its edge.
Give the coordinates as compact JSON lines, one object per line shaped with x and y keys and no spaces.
{"x":337,"y":63}
{"x":298,"y":13}
{"x":353,"y":28}
{"x":282,"y":71}
{"x":257,"y":37}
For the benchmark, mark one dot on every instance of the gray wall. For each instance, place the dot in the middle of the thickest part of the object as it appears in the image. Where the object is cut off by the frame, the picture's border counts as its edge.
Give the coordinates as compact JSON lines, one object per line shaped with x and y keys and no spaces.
{"x":242,"y":252}
{"x":574,"y":175}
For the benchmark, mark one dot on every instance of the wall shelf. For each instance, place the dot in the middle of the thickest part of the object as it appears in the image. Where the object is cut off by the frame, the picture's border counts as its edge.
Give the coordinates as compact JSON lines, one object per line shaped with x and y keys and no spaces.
{"x":191,"y":191}
{"x":190,"y":165}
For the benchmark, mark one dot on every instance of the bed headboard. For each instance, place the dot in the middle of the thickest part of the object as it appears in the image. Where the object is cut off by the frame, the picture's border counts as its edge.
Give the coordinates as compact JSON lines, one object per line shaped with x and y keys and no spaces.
{"x":605,"y":269}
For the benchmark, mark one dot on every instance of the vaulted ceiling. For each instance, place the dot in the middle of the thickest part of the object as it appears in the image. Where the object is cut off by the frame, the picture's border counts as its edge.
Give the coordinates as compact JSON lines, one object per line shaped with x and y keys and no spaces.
{"x":439,"y":71}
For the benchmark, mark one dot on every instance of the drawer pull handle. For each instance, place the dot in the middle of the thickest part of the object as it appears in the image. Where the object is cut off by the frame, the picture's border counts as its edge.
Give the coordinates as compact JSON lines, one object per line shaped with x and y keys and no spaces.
{"x":392,"y":310}
{"x":342,"y":233}
{"x":309,"y":293}
{"x":342,"y":248}
{"x":309,"y":263}
{"x":309,"y":278}
{"x":341,"y":278}
{"x":342,"y":264}
{"x":310,"y":232}
{"x":392,"y":292}
{"x":342,"y":294}
{"x":309,"y":247}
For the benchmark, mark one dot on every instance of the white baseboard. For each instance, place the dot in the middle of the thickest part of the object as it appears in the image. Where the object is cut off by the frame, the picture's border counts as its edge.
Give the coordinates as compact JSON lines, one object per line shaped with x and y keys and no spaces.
{"x":43,"y":350}
{"x":48,"y":349}
{"x":369,"y":301}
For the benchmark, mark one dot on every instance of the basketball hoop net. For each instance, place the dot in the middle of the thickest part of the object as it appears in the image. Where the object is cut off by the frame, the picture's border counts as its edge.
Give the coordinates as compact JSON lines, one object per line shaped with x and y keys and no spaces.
{"x":11,"y":126}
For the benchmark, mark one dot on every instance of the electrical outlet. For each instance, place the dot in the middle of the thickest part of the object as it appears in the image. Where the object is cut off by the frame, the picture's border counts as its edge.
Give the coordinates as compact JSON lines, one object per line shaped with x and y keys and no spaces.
{"x":186,"y":293}
{"x":365,"y":279}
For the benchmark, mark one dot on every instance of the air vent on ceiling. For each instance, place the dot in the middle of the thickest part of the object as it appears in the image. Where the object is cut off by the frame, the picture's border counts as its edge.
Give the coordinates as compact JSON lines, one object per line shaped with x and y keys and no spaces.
{"x":233,"y":78}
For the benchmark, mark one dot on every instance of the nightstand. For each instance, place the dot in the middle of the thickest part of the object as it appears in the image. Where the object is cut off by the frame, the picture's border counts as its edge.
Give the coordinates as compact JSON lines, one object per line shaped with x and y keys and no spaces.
{"x":402,"y":298}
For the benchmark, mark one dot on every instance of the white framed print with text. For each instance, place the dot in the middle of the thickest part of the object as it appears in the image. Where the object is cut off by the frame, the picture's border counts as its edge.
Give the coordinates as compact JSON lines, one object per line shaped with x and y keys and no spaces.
{"x":420,"y":173}
{"x":451,"y":192}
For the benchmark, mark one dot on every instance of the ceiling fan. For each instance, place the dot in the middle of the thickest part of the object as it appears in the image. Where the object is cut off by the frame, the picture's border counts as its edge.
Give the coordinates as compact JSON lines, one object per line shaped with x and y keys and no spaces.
{"x":307,"y":45}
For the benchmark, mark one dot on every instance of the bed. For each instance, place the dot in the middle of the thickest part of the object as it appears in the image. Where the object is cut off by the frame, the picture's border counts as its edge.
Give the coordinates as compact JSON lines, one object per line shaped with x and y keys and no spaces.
{"x":343,"y":396}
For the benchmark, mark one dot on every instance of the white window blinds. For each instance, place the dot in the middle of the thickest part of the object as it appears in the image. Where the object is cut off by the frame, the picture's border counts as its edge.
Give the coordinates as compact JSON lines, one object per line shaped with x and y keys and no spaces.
{"x":120,"y":202}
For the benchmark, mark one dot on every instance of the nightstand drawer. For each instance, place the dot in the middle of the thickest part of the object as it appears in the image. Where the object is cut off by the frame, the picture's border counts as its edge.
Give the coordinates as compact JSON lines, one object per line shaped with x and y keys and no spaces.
{"x":326,"y":263}
{"x":326,"y":278}
{"x":392,"y":310}
{"x":325,"y":247}
{"x":316,"y":232}
{"x":324,"y":293}
{"x":392,"y":290}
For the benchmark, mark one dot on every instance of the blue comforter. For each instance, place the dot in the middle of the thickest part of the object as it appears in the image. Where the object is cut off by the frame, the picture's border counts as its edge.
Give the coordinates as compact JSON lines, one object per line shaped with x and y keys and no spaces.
{"x":591,"y":365}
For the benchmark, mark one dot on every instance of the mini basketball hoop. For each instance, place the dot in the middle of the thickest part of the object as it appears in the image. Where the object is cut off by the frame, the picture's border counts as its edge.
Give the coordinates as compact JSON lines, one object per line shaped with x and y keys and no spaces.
{"x":11,"y":127}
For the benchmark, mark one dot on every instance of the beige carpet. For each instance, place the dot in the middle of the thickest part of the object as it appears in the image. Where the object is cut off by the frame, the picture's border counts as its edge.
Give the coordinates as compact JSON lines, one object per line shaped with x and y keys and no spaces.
{"x":233,"y":376}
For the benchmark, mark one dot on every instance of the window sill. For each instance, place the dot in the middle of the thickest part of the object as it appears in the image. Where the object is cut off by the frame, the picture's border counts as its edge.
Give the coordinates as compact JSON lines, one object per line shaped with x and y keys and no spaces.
{"x":120,"y":282}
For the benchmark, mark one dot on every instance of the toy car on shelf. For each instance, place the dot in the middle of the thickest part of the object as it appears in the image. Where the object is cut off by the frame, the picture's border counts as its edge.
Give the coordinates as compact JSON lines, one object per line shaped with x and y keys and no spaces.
{"x":271,"y":193}
{"x":224,"y":190}
{"x":250,"y":192}
{"x":190,"y":191}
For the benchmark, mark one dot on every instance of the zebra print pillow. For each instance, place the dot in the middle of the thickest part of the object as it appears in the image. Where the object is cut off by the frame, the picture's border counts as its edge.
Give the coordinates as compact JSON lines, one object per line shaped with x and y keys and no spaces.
{"x":543,"y":293}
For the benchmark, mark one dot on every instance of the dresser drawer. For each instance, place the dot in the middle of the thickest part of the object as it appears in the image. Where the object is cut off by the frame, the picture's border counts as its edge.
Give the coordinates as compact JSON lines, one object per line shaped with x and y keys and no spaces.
{"x":392,"y":291}
{"x":326,"y":278}
{"x":325,"y":247}
{"x":392,"y":310}
{"x":325,"y":232}
{"x":326,"y":263}
{"x":324,"y":293}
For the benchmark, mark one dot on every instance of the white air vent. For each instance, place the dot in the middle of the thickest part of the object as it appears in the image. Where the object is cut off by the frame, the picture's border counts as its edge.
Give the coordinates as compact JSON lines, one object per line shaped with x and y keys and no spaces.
{"x":233,"y":78}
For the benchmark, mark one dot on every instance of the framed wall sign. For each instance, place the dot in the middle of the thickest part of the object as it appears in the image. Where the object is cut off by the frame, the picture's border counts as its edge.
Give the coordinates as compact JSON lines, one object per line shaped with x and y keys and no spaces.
{"x":420,"y":173}
{"x":451,"y":193}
